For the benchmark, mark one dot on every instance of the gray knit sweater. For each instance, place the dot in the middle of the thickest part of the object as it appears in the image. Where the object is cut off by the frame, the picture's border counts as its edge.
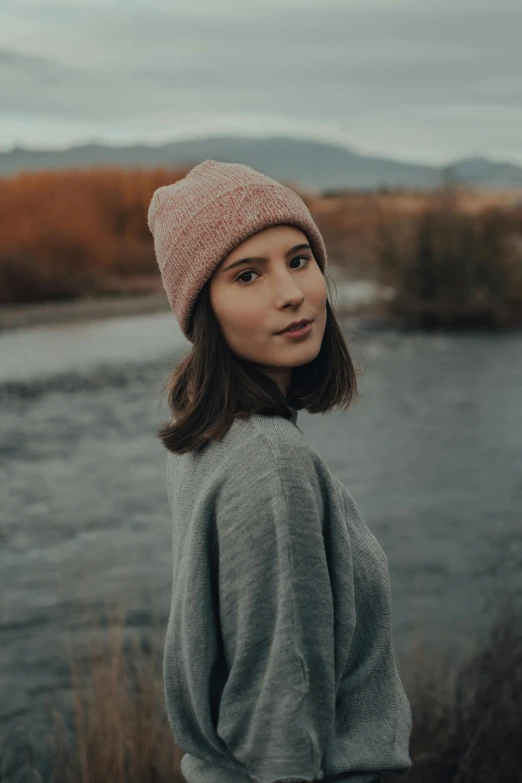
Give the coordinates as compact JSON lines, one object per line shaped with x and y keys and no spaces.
{"x":278,"y":660}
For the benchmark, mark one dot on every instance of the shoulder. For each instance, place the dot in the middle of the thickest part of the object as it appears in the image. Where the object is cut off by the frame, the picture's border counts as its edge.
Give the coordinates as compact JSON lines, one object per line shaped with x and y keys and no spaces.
{"x":270,"y":442}
{"x":269,"y":461}
{"x":269,"y":487}
{"x":267,"y":453}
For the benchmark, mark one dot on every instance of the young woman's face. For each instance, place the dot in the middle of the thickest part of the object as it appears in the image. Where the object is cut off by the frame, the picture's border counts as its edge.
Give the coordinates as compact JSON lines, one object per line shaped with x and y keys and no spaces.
{"x":255,"y":300}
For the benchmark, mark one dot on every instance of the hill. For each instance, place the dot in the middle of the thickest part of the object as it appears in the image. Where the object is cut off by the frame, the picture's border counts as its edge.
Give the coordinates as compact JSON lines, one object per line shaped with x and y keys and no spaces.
{"x":313,"y":165}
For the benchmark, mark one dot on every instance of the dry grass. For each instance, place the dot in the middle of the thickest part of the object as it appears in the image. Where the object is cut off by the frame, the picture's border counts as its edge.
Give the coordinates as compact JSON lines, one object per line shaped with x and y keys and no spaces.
{"x":117,"y":729}
{"x":65,"y":234}
{"x":467,"y":719}
{"x":452,"y":267}
{"x":453,"y":256}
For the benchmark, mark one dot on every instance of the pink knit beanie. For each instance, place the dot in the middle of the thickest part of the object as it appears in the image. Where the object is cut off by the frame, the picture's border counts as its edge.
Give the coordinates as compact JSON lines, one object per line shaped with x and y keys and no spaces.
{"x":201,"y":218}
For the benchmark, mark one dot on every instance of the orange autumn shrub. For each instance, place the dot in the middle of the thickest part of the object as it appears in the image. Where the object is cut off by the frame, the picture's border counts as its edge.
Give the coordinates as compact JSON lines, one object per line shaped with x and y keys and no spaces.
{"x":67,"y":233}
{"x":71,"y":233}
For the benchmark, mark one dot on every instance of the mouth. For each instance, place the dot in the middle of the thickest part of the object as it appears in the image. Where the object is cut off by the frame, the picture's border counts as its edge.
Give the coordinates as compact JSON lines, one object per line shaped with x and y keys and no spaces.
{"x":296,"y":325}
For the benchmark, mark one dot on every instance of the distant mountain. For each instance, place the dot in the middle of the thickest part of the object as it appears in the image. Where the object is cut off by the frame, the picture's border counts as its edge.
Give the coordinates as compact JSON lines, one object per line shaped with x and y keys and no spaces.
{"x":486,"y":173}
{"x":313,"y":165}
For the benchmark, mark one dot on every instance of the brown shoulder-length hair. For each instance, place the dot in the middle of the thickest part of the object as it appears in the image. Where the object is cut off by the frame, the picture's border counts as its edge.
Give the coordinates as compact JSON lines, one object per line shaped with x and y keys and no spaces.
{"x":212,"y":386}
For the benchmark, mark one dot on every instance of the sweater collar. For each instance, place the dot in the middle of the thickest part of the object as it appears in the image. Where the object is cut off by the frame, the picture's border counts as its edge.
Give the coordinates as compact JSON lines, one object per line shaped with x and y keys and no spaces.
{"x":293,"y":411}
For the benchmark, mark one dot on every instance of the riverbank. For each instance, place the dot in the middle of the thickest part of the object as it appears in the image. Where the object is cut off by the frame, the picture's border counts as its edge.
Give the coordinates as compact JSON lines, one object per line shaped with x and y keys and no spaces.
{"x":354,"y":298}
{"x":466,"y":719}
{"x":452,"y":255}
{"x":87,"y":309}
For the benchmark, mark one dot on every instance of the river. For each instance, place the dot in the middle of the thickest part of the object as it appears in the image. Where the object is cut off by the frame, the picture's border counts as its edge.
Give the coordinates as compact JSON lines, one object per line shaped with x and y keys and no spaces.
{"x":432,"y":454}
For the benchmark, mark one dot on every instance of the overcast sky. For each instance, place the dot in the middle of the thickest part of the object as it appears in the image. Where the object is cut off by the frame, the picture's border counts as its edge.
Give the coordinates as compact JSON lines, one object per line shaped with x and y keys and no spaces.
{"x":418,"y":80}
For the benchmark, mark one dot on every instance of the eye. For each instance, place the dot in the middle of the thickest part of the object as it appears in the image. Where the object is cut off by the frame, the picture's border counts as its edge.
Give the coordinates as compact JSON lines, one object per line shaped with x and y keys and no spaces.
{"x":305,"y":256}
{"x":253,"y":272}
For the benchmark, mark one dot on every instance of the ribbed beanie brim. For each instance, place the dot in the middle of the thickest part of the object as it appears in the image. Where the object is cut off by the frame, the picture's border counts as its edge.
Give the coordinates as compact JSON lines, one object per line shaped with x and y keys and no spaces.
{"x":198,"y":220}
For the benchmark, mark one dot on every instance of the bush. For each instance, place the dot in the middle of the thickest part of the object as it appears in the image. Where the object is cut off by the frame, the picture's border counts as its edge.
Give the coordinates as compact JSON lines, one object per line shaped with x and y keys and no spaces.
{"x":467,"y":721}
{"x":452,"y":268}
{"x":65,"y":234}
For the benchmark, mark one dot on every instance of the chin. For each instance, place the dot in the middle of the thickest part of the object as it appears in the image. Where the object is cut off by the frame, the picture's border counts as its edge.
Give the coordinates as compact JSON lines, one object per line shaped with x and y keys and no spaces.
{"x":304,"y":356}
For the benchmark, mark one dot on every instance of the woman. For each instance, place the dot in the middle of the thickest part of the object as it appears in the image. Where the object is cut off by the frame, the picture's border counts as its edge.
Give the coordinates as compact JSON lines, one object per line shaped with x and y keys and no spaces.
{"x":278,"y":660}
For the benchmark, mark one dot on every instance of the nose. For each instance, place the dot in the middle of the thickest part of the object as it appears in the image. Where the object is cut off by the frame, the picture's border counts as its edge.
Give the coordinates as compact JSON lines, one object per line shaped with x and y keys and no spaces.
{"x":287,"y":290}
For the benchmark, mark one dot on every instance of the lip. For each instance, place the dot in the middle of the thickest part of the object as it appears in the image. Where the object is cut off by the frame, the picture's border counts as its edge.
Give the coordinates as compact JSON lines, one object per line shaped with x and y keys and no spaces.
{"x":294,"y":323}
{"x":297,"y":334}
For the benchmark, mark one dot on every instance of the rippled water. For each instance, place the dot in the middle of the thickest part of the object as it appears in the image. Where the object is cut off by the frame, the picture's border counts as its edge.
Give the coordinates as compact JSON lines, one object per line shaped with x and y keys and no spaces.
{"x":432,"y":454}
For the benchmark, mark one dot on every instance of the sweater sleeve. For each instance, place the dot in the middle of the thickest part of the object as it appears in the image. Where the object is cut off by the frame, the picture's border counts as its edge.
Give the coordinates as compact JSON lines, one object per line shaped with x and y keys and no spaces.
{"x":277,"y":708}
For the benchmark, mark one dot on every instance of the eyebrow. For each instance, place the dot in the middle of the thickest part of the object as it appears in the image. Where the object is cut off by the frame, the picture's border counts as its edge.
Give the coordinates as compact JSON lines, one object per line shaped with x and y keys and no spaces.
{"x":262,"y":259}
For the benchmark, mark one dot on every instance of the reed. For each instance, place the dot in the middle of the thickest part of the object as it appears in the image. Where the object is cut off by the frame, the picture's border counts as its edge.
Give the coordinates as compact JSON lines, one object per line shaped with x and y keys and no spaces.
{"x":452,"y":268}
{"x":467,"y":717}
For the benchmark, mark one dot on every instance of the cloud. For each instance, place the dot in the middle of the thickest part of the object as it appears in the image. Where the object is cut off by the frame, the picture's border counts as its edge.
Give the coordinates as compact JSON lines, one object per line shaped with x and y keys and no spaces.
{"x":374,"y":69}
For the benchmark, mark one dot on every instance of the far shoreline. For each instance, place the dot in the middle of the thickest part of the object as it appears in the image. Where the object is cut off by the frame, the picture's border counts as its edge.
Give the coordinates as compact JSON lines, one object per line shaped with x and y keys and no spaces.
{"x":92,"y":308}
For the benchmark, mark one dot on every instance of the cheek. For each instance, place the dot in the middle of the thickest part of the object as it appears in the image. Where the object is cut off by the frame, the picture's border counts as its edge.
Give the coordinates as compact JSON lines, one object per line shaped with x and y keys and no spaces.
{"x":235,"y":314}
{"x":243,"y":319}
{"x":317,"y":292}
